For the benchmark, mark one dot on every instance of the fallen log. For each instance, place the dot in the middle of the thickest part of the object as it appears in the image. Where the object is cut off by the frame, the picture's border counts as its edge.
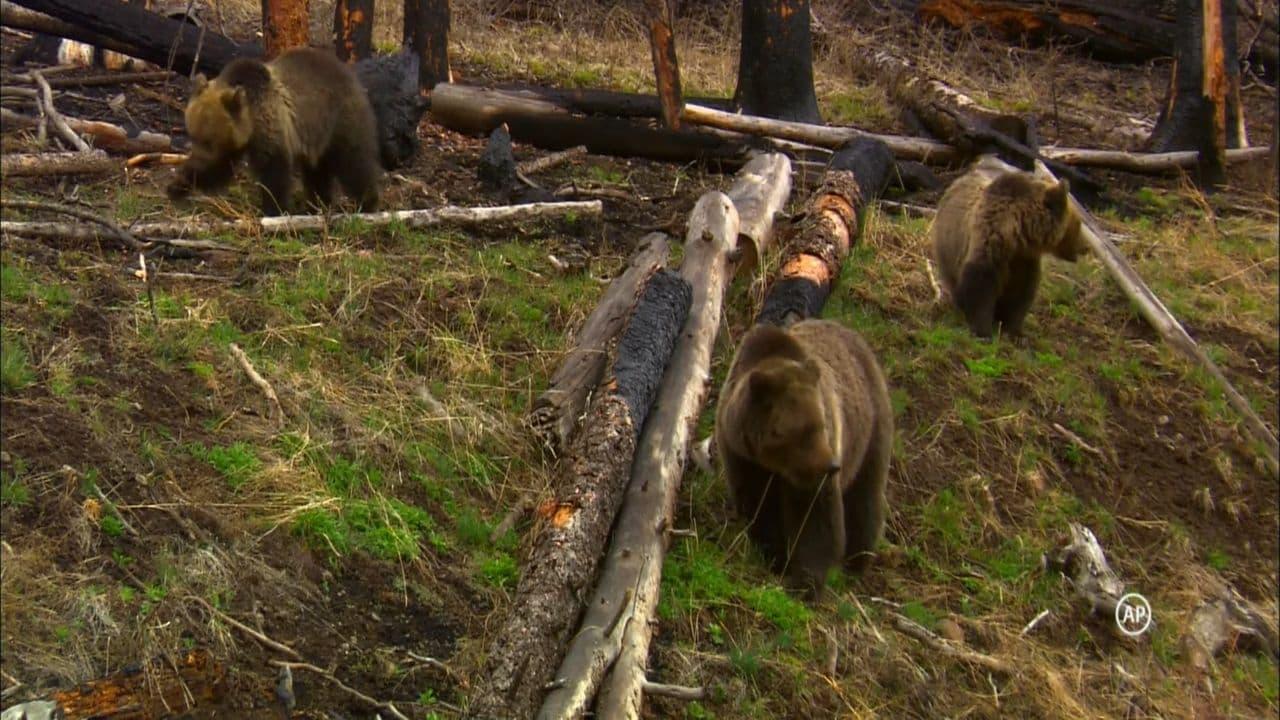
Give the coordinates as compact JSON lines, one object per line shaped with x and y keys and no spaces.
{"x":148,"y":36}
{"x":828,"y":228}
{"x":554,"y":414}
{"x":1164,"y":323}
{"x":642,"y":536}
{"x":477,"y":111}
{"x":105,"y":135}
{"x":617,"y":622}
{"x":590,"y":101}
{"x":18,"y":17}
{"x":166,"y":688}
{"x":528,"y":646}
{"x":1225,"y":620}
{"x":1080,"y":559}
{"x":300,"y":223}
{"x":63,"y":163}
{"x":1144,"y":163}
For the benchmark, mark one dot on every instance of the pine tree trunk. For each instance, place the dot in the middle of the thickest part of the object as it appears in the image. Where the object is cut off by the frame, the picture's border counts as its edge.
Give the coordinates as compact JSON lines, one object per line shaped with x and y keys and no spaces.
{"x":775,"y":67}
{"x":353,"y":29}
{"x":285,"y":25}
{"x":426,"y":30}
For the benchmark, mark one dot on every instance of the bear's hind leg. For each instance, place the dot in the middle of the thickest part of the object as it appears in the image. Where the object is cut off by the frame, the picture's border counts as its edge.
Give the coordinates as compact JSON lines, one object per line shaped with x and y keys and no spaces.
{"x":864,"y":505}
{"x":360,"y":173}
{"x":318,"y":183}
{"x":815,"y":536}
{"x":1019,"y":292}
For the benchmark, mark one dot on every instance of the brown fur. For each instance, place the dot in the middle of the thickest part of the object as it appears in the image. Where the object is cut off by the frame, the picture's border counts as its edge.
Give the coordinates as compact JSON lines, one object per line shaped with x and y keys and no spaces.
{"x":992,"y":227}
{"x":804,"y":430}
{"x":304,"y":111}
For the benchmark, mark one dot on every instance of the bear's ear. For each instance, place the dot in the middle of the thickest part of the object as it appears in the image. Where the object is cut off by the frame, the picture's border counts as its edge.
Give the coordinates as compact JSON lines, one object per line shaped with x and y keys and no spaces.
{"x":199,"y":84}
{"x":1056,"y":198}
{"x":234,"y":100}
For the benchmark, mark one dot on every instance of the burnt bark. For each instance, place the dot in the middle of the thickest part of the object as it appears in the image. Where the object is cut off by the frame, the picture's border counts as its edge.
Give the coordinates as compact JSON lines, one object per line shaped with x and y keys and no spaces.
{"x":426,"y":32}
{"x":829,"y":226}
{"x":1202,"y":109}
{"x":392,"y":84}
{"x":168,"y":687}
{"x":146,"y":35}
{"x":528,"y":647}
{"x":775,"y":64}
{"x":666,"y":68}
{"x":353,"y":29}
{"x":285,"y":25}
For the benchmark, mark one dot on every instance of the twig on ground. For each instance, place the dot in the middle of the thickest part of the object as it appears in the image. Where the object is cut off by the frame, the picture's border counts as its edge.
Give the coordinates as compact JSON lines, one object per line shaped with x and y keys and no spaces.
{"x":867,"y":618}
{"x":155,"y":158}
{"x":12,"y":688}
{"x":546,"y":162}
{"x":909,"y":627}
{"x":677,"y":692}
{"x":1078,"y":441}
{"x":1034,"y":622}
{"x":371,"y":702}
{"x":272,"y":399}
{"x":260,"y":637}
{"x":46,"y":102}
{"x":833,"y":653}
{"x":509,"y":520}
{"x":455,"y":677}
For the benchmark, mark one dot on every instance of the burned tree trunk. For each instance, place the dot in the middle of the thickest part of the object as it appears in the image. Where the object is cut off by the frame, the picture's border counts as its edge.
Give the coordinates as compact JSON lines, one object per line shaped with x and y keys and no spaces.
{"x":775,"y":64}
{"x":528,"y":647}
{"x":170,"y":686}
{"x":426,"y":32}
{"x":1202,"y":109}
{"x":148,"y":36}
{"x":285,"y":25}
{"x":392,"y":84}
{"x":353,"y":29}
{"x":665,"y":67}
{"x":829,"y":227}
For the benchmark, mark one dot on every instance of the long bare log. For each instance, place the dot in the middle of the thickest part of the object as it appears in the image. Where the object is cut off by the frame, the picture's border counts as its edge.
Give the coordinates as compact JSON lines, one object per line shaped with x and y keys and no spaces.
{"x":16,"y":16}
{"x":65,"y":163}
{"x":528,"y":646}
{"x":1164,"y":322}
{"x":759,"y":192}
{"x":829,"y":227}
{"x":106,"y":136}
{"x":1144,"y":163}
{"x":554,"y":415}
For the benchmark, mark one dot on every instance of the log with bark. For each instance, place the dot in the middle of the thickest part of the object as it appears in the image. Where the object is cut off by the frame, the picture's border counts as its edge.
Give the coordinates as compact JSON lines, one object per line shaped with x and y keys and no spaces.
{"x":477,"y":111}
{"x":775,"y":61}
{"x":49,"y":29}
{"x":103,"y":134}
{"x":63,"y":163}
{"x":828,"y":228}
{"x":613,"y":103}
{"x":555,"y":413}
{"x":614,"y":633}
{"x":1120,"y":30}
{"x":1163,"y":321}
{"x":353,"y":29}
{"x":285,"y":25}
{"x":527,"y":647}
{"x":426,"y":34}
{"x":148,"y":36}
{"x":167,"y":687}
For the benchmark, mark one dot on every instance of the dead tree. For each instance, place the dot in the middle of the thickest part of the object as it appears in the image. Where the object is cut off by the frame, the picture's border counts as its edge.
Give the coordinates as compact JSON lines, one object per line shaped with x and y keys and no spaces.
{"x":666,"y":69}
{"x":170,"y":686}
{"x":575,"y":523}
{"x":1202,"y":109}
{"x":829,"y":227}
{"x":775,"y":63}
{"x":426,"y":32}
{"x":285,"y":25}
{"x":148,"y":36}
{"x":353,"y":29}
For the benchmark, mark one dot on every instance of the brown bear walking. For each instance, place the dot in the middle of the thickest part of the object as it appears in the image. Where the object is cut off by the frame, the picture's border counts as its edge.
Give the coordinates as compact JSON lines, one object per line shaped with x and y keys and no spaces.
{"x":991,"y":229}
{"x":805,"y":431}
{"x":304,"y":111}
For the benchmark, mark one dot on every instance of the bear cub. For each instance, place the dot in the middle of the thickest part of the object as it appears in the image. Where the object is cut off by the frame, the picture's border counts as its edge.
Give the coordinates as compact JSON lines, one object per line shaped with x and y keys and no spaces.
{"x":992,"y":227}
{"x":804,"y":430}
{"x":304,"y":111}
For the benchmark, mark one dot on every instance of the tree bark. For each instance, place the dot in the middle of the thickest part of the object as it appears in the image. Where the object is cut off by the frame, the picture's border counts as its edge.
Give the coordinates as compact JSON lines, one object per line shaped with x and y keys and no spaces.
{"x":477,"y":111}
{"x":353,"y":29}
{"x":606,"y":102}
{"x":168,"y":43}
{"x":168,"y":688}
{"x":67,"y":163}
{"x":286,"y":25}
{"x":426,"y":32}
{"x":105,"y":135}
{"x":1202,"y":108}
{"x":554,"y":415}
{"x":775,"y":63}
{"x":666,"y":69}
{"x":15,"y":16}
{"x":527,"y":648}
{"x":830,"y":225}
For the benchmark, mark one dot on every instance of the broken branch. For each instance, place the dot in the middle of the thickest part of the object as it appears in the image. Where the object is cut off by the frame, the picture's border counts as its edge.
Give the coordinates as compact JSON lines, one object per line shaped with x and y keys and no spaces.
{"x":269,"y":392}
{"x":909,"y":627}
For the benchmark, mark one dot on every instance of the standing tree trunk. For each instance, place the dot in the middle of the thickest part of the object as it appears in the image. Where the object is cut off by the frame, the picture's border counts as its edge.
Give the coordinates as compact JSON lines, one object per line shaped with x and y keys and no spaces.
{"x":353,"y":29}
{"x":1202,"y":110}
{"x":426,"y":30}
{"x":775,"y":67}
{"x":665,"y":67}
{"x":285,"y":25}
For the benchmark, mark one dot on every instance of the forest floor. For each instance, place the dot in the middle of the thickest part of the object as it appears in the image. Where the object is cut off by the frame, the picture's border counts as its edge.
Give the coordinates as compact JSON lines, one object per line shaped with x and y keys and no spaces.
{"x":143,"y":480}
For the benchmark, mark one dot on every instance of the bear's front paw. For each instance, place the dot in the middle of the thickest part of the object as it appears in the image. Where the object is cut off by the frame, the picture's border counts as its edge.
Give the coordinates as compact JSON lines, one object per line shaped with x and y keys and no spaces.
{"x":178,"y":189}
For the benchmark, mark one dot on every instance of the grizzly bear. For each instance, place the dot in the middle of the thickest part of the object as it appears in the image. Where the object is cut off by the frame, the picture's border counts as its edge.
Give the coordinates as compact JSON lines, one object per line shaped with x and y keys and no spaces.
{"x":303,"y":111}
{"x":991,"y":228}
{"x":804,"y":430}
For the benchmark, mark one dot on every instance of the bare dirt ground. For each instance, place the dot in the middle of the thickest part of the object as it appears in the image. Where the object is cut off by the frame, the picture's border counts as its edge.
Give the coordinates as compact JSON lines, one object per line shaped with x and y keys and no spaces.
{"x":144,"y":483}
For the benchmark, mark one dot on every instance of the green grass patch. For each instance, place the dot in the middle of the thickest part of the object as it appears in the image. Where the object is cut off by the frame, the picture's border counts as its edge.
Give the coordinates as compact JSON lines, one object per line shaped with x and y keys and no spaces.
{"x":236,"y":463}
{"x":15,"y":365}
